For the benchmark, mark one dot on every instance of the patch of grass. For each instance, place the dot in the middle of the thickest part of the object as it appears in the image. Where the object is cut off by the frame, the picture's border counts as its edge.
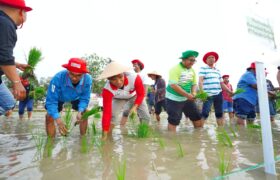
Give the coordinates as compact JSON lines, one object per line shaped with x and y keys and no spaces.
{"x":223,"y":137}
{"x":238,"y":91}
{"x":180,"y":151}
{"x":202,"y":95}
{"x":120,"y":170}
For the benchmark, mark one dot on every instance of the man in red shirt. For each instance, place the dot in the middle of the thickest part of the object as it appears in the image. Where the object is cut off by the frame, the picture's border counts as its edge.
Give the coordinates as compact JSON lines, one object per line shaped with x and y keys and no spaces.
{"x":227,"y":99}
{"x":123,"y":90}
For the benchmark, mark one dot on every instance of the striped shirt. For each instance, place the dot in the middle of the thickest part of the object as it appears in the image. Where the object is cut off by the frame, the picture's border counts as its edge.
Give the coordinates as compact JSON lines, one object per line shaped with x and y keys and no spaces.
{"x":212,"y":80}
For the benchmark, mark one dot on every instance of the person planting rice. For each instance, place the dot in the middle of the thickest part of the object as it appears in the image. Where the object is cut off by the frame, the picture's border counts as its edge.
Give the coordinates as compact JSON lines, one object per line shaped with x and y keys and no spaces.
{"x":159,"y":93}
{"x":211,"y":82}
{"x":244,"y":103}
{"x":71,"y":85}
{"x":227,"y":99}
{"x":12,"y":15}
{"x":122,"y":90}
{"x":181,"y":91}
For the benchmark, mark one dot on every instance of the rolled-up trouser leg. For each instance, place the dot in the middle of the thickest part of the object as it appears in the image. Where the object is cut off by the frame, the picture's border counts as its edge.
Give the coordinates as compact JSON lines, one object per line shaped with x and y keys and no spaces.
{"x":7,"y":101}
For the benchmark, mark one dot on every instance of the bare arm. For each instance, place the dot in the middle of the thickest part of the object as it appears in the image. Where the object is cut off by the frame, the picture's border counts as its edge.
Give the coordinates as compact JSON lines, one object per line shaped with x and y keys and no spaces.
{"x":224,"y":87}
{"x":200,"y":82}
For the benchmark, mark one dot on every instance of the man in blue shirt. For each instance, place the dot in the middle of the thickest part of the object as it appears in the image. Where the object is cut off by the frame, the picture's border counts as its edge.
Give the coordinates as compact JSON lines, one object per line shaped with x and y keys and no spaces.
{"x":12,"y":14}
{"x":71,"y":85}
{"x":245,"y":103}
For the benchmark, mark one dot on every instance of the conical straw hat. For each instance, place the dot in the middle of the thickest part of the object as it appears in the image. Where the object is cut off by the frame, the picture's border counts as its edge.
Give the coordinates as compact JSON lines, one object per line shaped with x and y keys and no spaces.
{"x":112,"y":69}
{"x":154,"y":73}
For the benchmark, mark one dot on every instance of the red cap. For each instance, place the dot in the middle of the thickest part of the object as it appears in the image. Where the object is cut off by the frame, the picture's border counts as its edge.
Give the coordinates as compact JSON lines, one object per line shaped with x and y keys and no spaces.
{"x":19,"y":4}
{"x":224,"y":76}
{"x":253,"y":66}
{"x":76,"y":65}
{"x":138,"y":62}
{"x":210,"y":54}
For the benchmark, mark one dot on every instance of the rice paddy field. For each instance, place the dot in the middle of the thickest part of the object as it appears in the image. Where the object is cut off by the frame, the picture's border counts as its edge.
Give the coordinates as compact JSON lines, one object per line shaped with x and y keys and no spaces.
{"x":208,"y":153}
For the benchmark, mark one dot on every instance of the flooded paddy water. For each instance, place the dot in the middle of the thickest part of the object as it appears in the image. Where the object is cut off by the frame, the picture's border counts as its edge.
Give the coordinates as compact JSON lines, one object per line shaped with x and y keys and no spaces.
{"x":188,"y":154}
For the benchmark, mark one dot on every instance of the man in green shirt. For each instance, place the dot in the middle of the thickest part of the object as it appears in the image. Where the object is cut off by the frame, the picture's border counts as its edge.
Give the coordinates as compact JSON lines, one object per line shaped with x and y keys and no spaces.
{"x":180,"y":92}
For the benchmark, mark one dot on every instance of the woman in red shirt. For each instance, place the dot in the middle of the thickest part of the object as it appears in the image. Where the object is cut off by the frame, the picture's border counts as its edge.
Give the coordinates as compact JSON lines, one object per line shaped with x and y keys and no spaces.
{"x":122,"y":89}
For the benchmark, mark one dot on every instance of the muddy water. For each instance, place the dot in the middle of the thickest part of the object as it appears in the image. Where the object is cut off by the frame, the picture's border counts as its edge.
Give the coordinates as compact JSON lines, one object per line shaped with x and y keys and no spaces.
{"x":146,"y":158}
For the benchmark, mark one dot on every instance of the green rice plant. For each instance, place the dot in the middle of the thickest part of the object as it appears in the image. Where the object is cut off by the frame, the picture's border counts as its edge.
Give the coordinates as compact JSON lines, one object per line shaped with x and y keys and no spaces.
{"x":180,"y":151}
{"x":278,"y":101}
{"x":232,"y":131}
{"x":143,"y":130}
{"x":34,"y":57}
{"x":97,"y":116}
{"x":120,"y":170}
{"x":84,"y":144}
{"x":223,"y":137}
{"x":253,"y":126}
{"x":133,"y":124}
{"x":223,"y":163}
{"x":93,"y":111}
{"x":238,"y":91}
{"x":67,"y":118}
{"x":93,"y":129}
{"x":158,"y":139}
{"x":202,"y":95}
{"x":49,"y":146}
{"x":38,"y":139}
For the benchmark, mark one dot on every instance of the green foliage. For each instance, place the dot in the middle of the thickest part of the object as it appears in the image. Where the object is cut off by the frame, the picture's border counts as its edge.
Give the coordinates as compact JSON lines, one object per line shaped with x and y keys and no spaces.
{"x":223,"y":137}
{"x":143,"y":130}
{"x":67,"y":118}
{"x":253,"y":126}
{"x":238,"y":91}
{"x":232,"y":131}
{"x":278,"y":101}
{"x":95,"y":65}
{"x":223,"y":163}
{"x":84,"y":144}
{"x":38,"y":138}
{"x":34,"y":57}
{"x":93,"y":111}
{"x":120,"y":170}
{"x":203,"y":96}
{"x":180,"y":151}
{"x":38,"y":93}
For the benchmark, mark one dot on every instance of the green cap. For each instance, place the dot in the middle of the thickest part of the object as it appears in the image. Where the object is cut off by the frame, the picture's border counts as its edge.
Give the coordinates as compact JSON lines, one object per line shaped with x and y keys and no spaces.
{"x":188,"y":54}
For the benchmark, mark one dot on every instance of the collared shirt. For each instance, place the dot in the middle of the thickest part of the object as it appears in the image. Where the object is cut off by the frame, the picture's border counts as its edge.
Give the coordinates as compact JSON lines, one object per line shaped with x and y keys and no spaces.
{"x":183,"y":77}
{"x":8,"y":39}
{"x":211,"y":80}
{"x":246,"y":81}
{"x":61,"y":89}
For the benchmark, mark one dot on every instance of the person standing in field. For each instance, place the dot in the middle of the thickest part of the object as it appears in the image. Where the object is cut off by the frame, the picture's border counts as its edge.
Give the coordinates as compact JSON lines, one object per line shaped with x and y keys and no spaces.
{"x":211,"y":82}
{"x":227,"y":99}
{"x":12,"y":15}
{"x":181,"y":91}
{"x":160,"y":89}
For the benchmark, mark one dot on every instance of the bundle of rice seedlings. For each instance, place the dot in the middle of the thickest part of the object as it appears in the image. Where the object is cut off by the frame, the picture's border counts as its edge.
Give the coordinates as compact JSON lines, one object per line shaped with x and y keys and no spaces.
{"x":120,"y":170}
{"x":34,"y":57}
{"x":238,"y":91}
{"x":223,"y":163}
{"x":203,"y":96}
{"x":180,"y":151}
{"x":143,"y":130}
{"x":39,"y":139}
{"x":67,"y":118}
{"x":93,"y":111}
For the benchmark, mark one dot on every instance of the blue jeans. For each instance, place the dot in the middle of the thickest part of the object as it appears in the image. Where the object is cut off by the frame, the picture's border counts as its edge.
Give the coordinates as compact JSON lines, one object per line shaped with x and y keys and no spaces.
{"x":244,"y":110}
{"x":7,"y":101}
{"x":217,"y":100}
{"x":22,"y":104}
{"x":228,"y":106}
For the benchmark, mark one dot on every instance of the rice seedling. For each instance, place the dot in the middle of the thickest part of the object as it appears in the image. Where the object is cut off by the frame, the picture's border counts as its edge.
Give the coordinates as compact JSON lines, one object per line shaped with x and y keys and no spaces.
{"x":84,"y":144}
{"x":232,"y":131}
{"x":223,"y":163}
{"x":38,"y":139}
{"x":49,"y":146}
{"x":180,"y":151}
{"x":143,"y":130}
{"x":34,"y":57}
{"x":97,"y":116}
{"x":223,"y":138}
{"x":238,"y":91}
{"x":133,"y":124}
{"x":158,"y":139}
{"x":93,"y":111}
{"x":67,"y":118}
{"x":203,"y":96}
{"x":253,"y":126}
{"x":120,"y":170}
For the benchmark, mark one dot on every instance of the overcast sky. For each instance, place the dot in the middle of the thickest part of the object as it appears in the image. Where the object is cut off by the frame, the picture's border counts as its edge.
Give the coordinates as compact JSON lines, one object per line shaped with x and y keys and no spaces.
{"x":154,"y":31}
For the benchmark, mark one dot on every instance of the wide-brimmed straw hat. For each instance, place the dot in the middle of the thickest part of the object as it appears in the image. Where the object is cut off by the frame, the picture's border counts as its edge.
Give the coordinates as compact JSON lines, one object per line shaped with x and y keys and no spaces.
{"x":112,"y":69}
{"x":154,"y":73}
{"x":19,"y":4}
